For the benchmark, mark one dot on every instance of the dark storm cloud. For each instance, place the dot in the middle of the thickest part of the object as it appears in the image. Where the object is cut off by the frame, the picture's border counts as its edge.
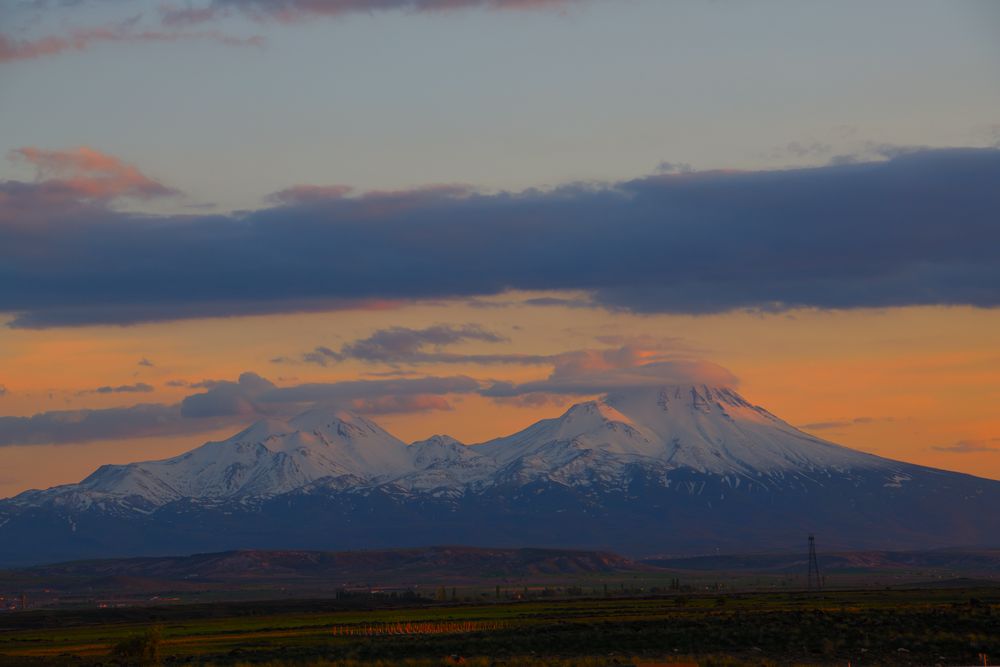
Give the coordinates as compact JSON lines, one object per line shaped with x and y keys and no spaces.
{"x":919,"y":228}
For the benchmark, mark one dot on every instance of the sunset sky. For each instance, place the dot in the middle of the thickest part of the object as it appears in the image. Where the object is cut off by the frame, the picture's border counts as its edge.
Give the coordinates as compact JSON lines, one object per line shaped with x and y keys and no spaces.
{"x":461,"y":216}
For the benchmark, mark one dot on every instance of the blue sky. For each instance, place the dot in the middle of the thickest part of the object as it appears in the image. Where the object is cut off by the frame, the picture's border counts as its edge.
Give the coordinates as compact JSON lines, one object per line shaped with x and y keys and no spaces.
{"x":505,"y":99}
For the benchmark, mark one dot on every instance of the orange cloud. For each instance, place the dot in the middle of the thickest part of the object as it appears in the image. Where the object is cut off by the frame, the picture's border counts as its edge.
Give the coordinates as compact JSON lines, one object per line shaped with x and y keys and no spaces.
{"x":91,"y":174}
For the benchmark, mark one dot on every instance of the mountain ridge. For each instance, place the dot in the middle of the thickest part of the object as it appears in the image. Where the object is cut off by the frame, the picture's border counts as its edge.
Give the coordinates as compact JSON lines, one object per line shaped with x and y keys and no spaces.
{"x":674,"y":468}
{"x":458,"y":561}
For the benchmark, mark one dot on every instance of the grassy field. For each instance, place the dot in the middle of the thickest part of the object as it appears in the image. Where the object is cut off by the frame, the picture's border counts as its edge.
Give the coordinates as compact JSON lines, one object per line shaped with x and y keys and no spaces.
{"x":946,"y":626}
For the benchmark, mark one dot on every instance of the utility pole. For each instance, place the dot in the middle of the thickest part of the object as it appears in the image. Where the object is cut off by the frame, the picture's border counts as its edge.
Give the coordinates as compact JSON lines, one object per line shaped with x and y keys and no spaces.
{"x":813,"y":580}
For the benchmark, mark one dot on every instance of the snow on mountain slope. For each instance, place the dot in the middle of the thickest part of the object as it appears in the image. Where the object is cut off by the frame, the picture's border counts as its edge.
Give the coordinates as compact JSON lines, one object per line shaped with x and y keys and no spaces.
{"x":712,"y":429}
{"x":594,"y":424}
{"x":680,"y":469}
{"x":705,"y":429}
{"x":357,"y":443}
{"x":438,"y":449}
{"x":268,"y":458}
{"x":442,"y":462}
{"x":696,"y":428}
{"x":590,"y":441}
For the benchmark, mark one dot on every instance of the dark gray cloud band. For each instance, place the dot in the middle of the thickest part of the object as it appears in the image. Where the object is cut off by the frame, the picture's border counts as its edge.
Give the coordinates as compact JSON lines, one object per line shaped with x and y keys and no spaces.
{"x":917,"y":229}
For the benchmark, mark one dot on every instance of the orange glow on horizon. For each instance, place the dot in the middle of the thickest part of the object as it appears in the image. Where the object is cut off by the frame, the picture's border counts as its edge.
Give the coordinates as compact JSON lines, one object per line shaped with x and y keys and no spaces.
{"x":903,"y":383}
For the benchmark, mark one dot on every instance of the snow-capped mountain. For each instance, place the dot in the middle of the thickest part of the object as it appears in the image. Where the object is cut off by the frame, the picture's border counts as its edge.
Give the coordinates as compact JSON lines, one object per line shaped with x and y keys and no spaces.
{"x":679,"y":469}
{"x":269,"y":458}
{"x":698,"y":428}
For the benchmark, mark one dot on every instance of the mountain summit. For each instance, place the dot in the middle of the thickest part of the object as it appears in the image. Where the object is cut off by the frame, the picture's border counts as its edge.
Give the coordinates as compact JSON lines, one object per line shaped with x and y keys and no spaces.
{"x":699,"y":428}
{"x":680,"y":469}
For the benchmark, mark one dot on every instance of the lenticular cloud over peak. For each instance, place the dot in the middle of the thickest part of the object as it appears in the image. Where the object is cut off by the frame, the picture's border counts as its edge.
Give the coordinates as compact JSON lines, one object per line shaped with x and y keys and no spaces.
{"x":607,"y":379}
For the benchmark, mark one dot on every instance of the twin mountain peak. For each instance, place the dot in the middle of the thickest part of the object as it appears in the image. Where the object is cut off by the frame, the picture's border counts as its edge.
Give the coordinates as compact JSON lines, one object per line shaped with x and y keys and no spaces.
{"x":705,"y":429}
{"x":672,"y":469}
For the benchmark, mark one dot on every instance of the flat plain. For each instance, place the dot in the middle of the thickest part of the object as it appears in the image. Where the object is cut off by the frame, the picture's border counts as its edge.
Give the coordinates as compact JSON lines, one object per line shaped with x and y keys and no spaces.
{"x":925,"y":626}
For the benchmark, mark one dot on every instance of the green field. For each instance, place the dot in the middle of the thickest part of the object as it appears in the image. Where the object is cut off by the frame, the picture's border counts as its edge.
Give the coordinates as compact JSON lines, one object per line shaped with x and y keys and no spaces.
{"x":947,"y":626}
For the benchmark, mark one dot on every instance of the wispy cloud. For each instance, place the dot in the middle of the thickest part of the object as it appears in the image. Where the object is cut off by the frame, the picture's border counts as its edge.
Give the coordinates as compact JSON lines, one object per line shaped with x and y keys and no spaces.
{"x":874,"y":150}
{"x":137,"y":388}
{"x":301,"y":194}
{"x":200,"y":384}
{"x":289,"y":11}
{"x":81,"y":39}
{"x":844,"y":423}
{"x":674,"y":168}
{"x":411,"y":346}
{"x":405,"y":346}
{"x":593,"y":372}
{"x":970,"y":446}
{"x":355,"y":390}
{"x":535,"y":400}
{"x":801,"y":149}
{"x":385,"y":405}
{"x":78,"y":426}
{"x":229,"y":403}
{"x":180,"y":22}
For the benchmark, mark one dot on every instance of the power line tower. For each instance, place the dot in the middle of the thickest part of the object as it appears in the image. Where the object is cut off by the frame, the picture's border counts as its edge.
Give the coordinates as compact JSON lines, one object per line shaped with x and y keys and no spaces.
{"x":813,"y":581}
